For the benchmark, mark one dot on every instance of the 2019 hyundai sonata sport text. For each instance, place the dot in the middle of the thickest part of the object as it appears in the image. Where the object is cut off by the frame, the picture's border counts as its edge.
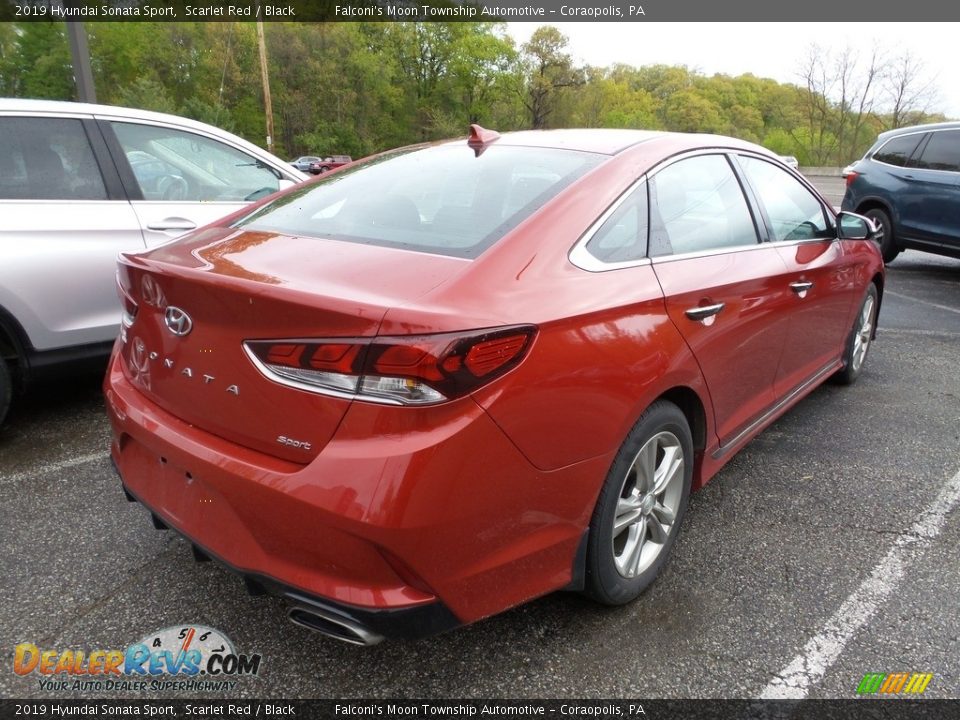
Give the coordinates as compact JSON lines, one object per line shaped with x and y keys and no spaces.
{"x":452,"y":378}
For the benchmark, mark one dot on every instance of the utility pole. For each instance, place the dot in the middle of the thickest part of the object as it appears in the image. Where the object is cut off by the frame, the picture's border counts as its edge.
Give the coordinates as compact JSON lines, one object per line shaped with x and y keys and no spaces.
{"x":265,"y":75}
{"x":80,"y":54}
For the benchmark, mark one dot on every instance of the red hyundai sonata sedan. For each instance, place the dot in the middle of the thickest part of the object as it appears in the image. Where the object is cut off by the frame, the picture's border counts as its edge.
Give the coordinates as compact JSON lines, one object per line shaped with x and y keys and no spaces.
{"x":453,"y":378}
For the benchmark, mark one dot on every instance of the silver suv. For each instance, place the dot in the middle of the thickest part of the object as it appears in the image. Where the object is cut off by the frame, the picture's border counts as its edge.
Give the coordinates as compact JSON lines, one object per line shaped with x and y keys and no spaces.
{"x":81,"y":183}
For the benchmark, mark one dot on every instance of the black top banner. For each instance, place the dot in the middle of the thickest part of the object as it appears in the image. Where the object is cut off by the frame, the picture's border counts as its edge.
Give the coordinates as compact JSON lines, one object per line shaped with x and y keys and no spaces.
{"x":547,"y":11}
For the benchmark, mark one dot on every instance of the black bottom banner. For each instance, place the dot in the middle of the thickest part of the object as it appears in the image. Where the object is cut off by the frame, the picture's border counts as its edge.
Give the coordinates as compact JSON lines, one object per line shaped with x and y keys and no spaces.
{"x":897,"y":709}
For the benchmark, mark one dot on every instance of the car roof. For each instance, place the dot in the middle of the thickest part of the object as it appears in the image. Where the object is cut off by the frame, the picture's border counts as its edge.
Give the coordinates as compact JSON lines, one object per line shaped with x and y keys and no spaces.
{"x":919,"y":128}
{"x":603,"y":141}
{"x":67,"y":107}
{"x":615,"y":141}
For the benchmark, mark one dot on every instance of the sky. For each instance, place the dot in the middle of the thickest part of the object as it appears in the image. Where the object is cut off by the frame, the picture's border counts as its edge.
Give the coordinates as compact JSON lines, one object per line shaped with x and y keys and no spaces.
{"x":766,"y":49}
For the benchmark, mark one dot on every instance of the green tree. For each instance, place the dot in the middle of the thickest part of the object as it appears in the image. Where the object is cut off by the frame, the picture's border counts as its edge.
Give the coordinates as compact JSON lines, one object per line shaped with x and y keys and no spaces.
{"x":548,"y":71}
{"x":40,"y":65}
{"x":689,"y":111}
{"x":482,"y":60}
{"x":147,"y":94}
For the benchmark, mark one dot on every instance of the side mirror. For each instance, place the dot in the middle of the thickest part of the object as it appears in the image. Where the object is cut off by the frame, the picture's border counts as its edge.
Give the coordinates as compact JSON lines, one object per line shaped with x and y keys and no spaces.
{"x":851,"y":226}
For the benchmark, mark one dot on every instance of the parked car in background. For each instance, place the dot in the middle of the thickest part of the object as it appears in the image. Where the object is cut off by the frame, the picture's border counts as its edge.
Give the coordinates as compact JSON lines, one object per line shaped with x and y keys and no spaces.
{"x":81,"y":183}
{"x":333,"y":162}
{"x":909,"y":184}
{"x":790,"y":161}
{"x":308,"y":164}
{"x":457,"y":377}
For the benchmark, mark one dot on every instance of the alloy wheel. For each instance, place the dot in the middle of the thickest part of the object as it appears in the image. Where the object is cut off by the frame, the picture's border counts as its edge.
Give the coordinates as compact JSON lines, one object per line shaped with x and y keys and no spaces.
{"x":648,"y":505}
{"x":861,"y":341}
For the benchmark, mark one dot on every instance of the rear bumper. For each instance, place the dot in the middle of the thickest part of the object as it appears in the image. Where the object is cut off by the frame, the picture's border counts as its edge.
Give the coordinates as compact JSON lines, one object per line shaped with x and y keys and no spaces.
{"x":413,"y":622}
{"x":405,"y":524}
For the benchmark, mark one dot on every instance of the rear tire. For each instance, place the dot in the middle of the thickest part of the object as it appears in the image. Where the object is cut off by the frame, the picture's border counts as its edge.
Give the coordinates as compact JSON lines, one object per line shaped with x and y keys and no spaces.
{"x":641,"y":506}
{"x":887,"y":240}
{"x":6,"y":389}
{"x":861,"y":337}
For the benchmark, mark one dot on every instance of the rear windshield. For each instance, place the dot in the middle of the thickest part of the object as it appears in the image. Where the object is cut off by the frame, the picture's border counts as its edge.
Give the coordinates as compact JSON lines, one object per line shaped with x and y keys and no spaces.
{"x":441,"y":200}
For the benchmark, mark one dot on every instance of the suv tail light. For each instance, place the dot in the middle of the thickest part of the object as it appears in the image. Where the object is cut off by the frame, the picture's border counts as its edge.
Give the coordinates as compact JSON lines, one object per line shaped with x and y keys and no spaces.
{"x":414,"y":370}
{"x":850,"y":176}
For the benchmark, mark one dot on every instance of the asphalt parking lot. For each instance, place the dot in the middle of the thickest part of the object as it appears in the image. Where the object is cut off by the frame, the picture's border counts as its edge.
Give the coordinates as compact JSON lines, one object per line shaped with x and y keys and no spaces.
{"x":823,"y":551}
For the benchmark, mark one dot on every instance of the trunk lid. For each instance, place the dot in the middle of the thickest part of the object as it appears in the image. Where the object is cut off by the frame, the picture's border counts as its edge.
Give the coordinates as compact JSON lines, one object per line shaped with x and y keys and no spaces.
{"x":198,"y":300}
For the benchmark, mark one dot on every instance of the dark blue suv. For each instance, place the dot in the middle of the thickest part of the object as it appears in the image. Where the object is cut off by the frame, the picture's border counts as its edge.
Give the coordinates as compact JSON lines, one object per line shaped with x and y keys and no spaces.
{"x":909,"y":184}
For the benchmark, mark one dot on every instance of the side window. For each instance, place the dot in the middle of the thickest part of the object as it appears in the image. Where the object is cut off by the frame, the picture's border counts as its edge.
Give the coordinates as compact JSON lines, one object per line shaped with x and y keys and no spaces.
{"x":177,"y":165}
{"x":697,"y":204}
{"x":897,"y":151}
{"x":623,"y":235}
{"x":942,"y":152}
{"x":47,"y":159}
{"x":793,"y":211}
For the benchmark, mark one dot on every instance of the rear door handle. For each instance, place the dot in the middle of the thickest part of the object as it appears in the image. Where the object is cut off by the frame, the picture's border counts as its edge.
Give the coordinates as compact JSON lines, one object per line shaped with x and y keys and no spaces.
{"x":172,"y":223}
{"x":801,"y":288}
{"x":702,"y":313}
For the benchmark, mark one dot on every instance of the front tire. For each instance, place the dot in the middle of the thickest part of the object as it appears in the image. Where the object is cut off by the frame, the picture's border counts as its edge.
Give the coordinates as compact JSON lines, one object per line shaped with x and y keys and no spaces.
{"x":887,"y":240}
{"x":861,"y":336}
{"x":641,"y":506}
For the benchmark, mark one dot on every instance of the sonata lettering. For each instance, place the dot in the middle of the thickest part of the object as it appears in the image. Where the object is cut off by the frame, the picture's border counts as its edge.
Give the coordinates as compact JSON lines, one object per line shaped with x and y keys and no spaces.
{"x":189,"y":372}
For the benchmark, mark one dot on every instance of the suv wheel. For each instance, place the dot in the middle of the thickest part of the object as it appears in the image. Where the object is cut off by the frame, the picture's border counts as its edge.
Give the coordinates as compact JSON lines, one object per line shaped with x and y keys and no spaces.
{"x":888,"y":244}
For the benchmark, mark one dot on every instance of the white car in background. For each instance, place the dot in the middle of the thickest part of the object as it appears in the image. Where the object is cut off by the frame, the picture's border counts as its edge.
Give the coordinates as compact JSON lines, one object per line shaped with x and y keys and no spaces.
{"x":790,"y":161}
{"x":81,"y":183}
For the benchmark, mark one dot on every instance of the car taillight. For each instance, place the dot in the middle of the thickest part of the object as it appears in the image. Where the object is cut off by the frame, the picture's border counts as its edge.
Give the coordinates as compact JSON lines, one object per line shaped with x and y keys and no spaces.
{"x":850,"y":177}
{"x":415,"y":370}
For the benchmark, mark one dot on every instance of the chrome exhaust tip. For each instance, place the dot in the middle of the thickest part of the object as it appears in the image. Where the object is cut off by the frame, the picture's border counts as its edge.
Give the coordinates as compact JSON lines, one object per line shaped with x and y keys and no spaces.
{"x":333,"y":626}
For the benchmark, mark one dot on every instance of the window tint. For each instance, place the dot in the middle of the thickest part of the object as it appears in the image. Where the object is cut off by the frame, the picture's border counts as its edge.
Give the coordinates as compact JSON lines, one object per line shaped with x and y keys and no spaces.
{"x":697,"y":204}
{"x":793,"y":211}
{"x":623,"y":235}
{"x":444,"y":199}
{"x":942,"y":152}
{"x":47,"y":159}
{"x":182,"y":166}
{"x":897,"y":151}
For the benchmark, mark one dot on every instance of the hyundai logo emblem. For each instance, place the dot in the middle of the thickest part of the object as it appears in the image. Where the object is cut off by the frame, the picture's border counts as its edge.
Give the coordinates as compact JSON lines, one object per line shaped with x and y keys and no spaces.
{"x":177,"y":321}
